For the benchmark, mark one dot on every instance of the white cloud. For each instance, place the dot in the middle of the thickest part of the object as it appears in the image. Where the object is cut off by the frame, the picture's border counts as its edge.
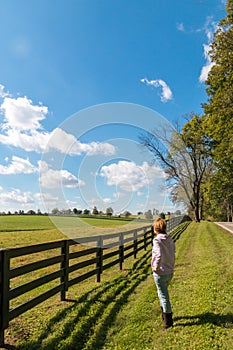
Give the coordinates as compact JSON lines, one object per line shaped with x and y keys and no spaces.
{"x":210,"y":27}
{"x":118,"y":195}
{"x":95,"y":148}
{"x":18,"y":166}
{"x":107,"y":200}
{"x":48,"y":197}
{"x":180,"y":27}
{"x":130,"y":176}
{"x":30,"y":142}
{"x":207,"y":67}
{"x":21,"y":114}
{"x":139,"y":194}
{"x":3,"y":94}
{"x":67,"y":143}
{"x":15,"y":196}
{"x":166,"y":93}
{"x":22,"y":128}
{"x":50,"y":178}
{"x":58,"y":140}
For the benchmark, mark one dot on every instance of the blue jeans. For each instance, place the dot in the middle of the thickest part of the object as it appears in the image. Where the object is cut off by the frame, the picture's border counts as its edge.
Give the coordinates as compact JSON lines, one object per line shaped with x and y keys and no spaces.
{"x":162,"y":283}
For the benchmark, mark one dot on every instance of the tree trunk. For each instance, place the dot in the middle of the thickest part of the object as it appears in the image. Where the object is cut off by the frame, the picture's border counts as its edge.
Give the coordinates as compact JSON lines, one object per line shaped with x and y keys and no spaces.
{"x":201,"y":207}
{"x":229,"y":213}
{"x":196,"y":194}
{"x":196,"y":214}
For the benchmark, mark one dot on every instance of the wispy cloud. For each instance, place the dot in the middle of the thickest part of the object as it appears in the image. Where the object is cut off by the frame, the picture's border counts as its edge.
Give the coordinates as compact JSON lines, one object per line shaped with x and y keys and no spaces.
{"x":166,"y":93}
{"x":3,"y":94}
{"x":16,"y":196}
{"x":18,"y":166}
{"x":180,"y":27}
{"x":210,"y":27}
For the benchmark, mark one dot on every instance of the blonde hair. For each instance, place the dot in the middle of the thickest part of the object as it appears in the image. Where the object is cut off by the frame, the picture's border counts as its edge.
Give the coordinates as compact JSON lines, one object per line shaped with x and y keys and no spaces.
{"x":160,"y":225}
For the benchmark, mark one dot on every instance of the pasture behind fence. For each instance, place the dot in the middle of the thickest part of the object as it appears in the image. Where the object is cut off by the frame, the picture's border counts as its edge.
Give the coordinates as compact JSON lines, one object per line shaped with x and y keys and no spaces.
{"x":64,"y":264}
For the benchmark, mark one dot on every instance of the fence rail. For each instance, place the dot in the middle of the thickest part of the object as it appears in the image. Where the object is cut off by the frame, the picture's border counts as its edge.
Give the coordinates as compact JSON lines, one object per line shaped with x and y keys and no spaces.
{"x":68,"y":263}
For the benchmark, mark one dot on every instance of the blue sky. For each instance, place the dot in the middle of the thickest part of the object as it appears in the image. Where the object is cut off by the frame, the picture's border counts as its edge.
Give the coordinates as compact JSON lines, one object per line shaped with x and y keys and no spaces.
{"x":79,"y":81}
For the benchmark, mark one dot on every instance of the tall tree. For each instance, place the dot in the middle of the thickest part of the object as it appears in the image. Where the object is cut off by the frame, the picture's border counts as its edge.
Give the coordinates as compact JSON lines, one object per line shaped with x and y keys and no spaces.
{"x":109,"y":211}
{"x":218,"y":203}
{"x":219,"y":110}
{"x":186,"y":160}
{"x":95,"y":211}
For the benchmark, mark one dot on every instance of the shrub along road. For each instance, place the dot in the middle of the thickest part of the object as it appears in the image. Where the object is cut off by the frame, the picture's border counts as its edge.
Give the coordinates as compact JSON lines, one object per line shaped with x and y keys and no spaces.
{"x":123,"y":313}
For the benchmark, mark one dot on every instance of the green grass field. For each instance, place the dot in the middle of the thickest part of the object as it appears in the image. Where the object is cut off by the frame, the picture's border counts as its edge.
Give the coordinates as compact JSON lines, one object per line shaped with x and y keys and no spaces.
{"x":122,"y":312}
{"x":26,"y":230}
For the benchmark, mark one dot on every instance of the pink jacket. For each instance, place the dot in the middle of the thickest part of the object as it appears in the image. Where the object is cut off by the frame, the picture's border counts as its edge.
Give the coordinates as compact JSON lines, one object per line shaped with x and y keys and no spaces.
{"x":163,"y":254}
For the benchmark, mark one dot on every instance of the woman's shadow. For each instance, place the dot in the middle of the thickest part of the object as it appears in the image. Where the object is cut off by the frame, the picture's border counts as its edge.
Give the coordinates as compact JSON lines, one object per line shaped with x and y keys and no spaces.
{"x":225,"y":321}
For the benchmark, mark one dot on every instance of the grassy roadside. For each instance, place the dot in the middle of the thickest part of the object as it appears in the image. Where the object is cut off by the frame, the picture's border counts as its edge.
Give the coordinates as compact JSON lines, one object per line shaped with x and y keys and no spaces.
{"x":201,"y":294}
{"x":123,"y":312}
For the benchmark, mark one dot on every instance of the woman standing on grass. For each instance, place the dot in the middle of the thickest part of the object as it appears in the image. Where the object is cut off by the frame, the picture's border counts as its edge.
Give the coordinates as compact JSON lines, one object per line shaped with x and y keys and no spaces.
{"x":162,"y":263}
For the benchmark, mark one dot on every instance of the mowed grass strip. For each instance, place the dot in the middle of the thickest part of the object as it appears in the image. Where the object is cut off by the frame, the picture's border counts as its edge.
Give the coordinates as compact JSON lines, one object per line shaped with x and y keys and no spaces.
{"x":201,"y":294}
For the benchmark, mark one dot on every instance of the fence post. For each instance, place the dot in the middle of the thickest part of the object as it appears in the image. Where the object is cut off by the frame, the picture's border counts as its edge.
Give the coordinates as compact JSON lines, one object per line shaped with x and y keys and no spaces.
{"x":121,"y":251}
{"x":135,"y":244}
{"x":4,"y":292}
{"x":99,"y":257}
{"x":65,"y":268}
{"x":152,"y":234}
{"x":144,"y":238}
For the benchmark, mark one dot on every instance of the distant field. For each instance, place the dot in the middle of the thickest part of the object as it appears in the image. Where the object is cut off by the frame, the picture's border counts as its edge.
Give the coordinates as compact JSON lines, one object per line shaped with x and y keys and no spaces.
{"x":25,"y":222}
{"x":25,"y":230}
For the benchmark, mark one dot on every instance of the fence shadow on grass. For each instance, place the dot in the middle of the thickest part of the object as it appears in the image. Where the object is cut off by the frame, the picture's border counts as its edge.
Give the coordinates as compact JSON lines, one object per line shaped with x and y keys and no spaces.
{"x":225,"y":321}
{"x":86,"y":322}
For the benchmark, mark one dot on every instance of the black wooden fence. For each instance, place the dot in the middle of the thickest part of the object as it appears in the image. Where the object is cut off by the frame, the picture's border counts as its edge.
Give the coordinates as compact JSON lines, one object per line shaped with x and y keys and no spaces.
{"x":67,"y":263}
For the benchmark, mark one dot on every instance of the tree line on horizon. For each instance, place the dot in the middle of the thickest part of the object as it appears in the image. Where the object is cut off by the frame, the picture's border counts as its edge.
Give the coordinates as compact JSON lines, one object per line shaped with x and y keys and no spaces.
{"x":198,"y":158}
{"x":149,"y":214}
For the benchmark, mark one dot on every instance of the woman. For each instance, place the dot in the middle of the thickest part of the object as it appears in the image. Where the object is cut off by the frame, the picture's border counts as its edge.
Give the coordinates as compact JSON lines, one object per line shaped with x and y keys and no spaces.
{"x":162,"y":263}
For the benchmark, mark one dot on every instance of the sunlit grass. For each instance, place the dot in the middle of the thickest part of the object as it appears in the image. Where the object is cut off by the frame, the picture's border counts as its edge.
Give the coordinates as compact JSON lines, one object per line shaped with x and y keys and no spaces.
{"x":19,"y":231}
{"x":122,"y":312}
{"x":201,"y":294}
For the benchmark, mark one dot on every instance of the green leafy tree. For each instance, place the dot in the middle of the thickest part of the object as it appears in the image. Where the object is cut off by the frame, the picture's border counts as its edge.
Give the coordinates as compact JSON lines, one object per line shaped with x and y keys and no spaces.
{"x":55,"y":211}
{"x":95,"y":211}
{"x":218,"y":196}
{"x":219,"y":108}
{"x":86,"y":211}
{"x":31,"y":212}
{"x":127,"y":213}
{"x":75,"y":211}
{"x":109,"y":211}
{"x":162,"y":216}
{"x":219,"y":112}
{"x":148,"y":215}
